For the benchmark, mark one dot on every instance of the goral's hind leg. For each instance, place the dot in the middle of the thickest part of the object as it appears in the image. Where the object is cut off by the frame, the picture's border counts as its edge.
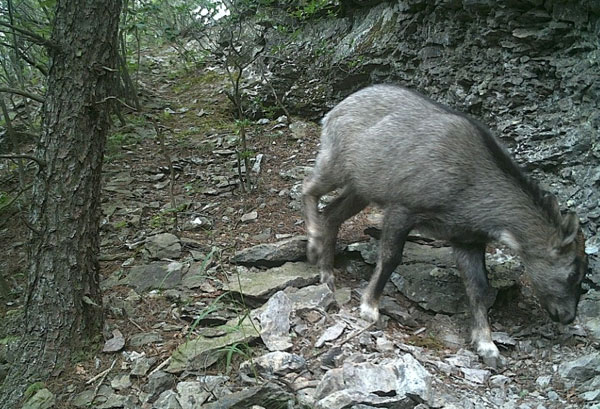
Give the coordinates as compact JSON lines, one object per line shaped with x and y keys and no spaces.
{"x":471,"y":263}
{"x":396,"y":226}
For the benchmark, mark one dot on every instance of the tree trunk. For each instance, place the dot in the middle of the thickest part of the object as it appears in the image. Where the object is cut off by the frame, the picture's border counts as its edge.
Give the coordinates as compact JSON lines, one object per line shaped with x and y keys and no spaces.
{"x":63,"y":311}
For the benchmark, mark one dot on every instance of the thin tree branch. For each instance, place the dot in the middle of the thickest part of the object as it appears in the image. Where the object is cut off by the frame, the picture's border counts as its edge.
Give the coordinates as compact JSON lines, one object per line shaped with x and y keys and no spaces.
{"x":40,"y":67}
{"x":118,"y":100}
{"x":40,"y":162}
{"x":31,"y":36}
{"x":21,"y":92}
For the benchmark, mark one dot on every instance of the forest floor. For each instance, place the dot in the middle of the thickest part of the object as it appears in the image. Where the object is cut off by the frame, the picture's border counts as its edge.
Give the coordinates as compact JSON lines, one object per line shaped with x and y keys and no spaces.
{"x":187,"y":130}
{"x":189,"y":106}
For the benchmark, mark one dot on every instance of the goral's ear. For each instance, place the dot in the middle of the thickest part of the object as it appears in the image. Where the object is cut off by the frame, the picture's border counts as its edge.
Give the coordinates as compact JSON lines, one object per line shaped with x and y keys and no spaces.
{"x":569,"y":229}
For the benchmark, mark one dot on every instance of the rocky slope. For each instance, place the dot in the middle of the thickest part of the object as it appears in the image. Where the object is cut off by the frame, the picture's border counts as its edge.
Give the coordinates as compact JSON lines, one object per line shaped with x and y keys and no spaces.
{"x":205,"y":319}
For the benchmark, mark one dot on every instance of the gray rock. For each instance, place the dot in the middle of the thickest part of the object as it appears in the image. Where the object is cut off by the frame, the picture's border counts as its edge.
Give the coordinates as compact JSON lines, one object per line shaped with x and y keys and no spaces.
{"x":145,"y":338}
{"x":159,"y":275}
{"x":158,"y":382}
{"x":391,"y":308}
{"x":84,"y":399}
{"x":262,"y":284}
{"x":273,"y":254}
{"x":368,"y":250}
{"x":258,"y":395}
{"x":121,"y":382}
{"x":167,"y":400}
{"x":427,"y":276}
{"x":331,"y":333}
{"x":192,"y":394}
{"x":202,"y":352}
{"x":141,"y":365}
{"x":213,"y":382}
{"x":274,"y":363}
{"x":310,"y":298}
{"x":499,"y":381}
{"x":351,"y":398}
{"x":103,"y":398}
{"x":447,"y":330}
{"x":249,"y":217}
{"x":589,"y":313}
{"x":383,"y":344}
{"x":296,"y":173}
{"x":590,"y":396}
{"x":42,"y":399}
{"x":164,"y":245}
{"x":199,"y":223}
{"x":480,"y":376}
{"x":433,"y":288}
{"x":463,"y":359}
{"x":113,"y":400}
{"x":503,"y":338}
{"x":401,"y":380}
{"x":543,"y":381}
{"x":275,"y":322}
{"x":581,"y":369}
{"x":116,"y":343}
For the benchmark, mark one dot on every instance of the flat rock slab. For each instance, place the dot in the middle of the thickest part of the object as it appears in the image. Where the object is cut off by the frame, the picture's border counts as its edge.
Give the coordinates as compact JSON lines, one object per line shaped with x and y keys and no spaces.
{"x":273,"y":254}
{"x":164,"y":245}
{"x":310,"y":298}
{"x":274,"y":363}
{"x":263,"y":284}
{"x":157,"y":275}
{"x":192,"y":394}
{"x":397,"y":382}
{"x":412,"y":253}
{"x":581,"y":369}
{"x":202,"y":352}
{"x":331,"y":333}
{"x":433,"y":288}
{"x":256,"y":395}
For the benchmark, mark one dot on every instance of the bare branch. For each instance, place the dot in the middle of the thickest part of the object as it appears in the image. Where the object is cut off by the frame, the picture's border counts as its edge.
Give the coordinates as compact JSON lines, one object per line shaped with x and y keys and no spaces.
{"x":26,"y":94}
{"x":31,"y":36}
{"x":41,"y":163}
{"x":118,"y":100}
{"x":40,"y":67}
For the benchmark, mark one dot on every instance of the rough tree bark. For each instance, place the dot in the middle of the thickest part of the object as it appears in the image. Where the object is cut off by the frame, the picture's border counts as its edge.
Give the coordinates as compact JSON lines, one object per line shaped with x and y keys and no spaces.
{"x":63,"y":314}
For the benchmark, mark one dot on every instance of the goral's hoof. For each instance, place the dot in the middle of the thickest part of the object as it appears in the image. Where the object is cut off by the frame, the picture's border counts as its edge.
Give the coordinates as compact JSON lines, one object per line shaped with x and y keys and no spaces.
{"x":488,"y":351}
{"x":369,"y":313}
